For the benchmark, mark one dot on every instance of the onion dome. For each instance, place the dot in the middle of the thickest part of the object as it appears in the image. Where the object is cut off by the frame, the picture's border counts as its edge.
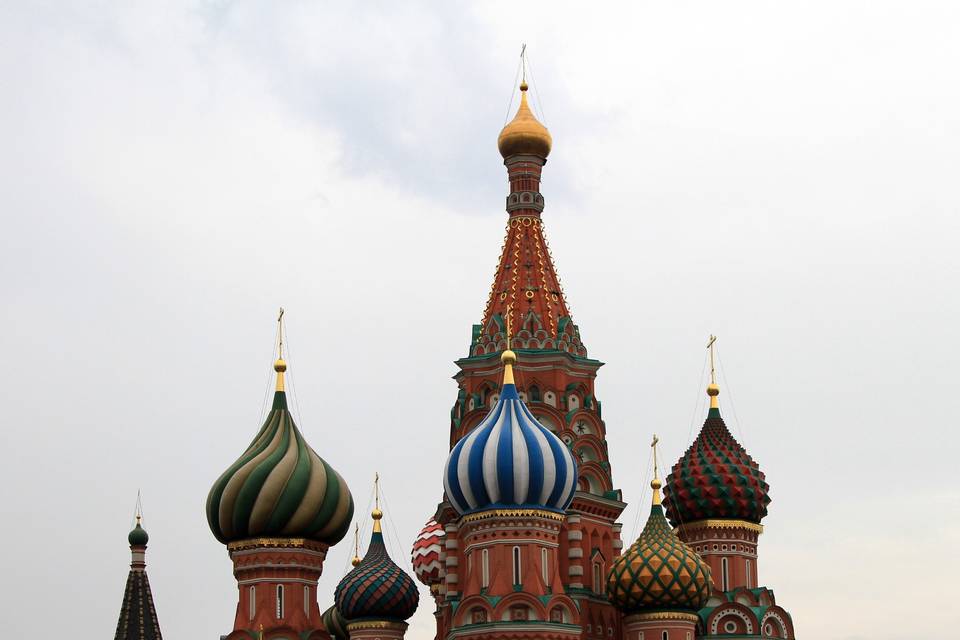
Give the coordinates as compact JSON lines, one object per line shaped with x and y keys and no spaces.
{"x":335,"y":624}
{"x":280,"y":487}
{"x":659,"y":571}
{"x":425,"y":555}
{"x":716,"y":478}
{"x":510,"y":460}
{"x":377,"y":589}
{"x":524,"y":135}
{"x":138,"y":537}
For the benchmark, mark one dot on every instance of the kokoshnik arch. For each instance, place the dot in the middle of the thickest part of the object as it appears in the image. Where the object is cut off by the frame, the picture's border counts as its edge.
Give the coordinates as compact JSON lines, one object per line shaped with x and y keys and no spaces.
{"x":525,"y":543}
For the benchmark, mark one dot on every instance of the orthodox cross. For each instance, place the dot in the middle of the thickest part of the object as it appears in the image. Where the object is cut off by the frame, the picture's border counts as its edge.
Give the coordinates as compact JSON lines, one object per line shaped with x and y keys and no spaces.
{"x":523,"y":61}
{"x":653,"y":445}
{"x":280,"y":334}
{"x":713,"y":377}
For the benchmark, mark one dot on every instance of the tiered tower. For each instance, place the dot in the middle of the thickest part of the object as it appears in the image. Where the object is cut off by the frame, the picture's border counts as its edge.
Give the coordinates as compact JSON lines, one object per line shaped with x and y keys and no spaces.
{"x":138,"y":616}
{"x":554,"y":377}
{"x":716,"y":497}
{"x":377,"y":597}
{"x":659,"y":583}
{"x":508,"y":482}
{"x":278,"y":509}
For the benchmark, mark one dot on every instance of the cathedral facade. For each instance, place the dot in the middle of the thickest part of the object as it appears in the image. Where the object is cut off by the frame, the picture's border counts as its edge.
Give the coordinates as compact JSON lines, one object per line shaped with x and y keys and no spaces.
{"x":525,"y":543}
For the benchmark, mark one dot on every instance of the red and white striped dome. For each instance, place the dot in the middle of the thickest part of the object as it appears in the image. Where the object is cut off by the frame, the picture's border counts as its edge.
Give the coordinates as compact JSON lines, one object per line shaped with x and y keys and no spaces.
{"x":426,"y":553}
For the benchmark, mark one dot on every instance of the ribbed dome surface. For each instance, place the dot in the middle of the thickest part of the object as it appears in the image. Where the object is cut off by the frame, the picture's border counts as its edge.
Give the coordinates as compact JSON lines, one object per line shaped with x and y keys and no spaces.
{"x":279,"y":488}
{"x":377,"y":589}
{"x":716,"y":479}
{"x":335,"y":624}
{"x":658,"y":572}
{"x":425,"y":555}
{"x":510,"y":461}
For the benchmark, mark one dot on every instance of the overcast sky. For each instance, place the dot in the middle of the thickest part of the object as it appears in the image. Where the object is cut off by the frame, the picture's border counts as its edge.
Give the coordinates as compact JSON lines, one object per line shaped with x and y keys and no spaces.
{"x":783,"y":175}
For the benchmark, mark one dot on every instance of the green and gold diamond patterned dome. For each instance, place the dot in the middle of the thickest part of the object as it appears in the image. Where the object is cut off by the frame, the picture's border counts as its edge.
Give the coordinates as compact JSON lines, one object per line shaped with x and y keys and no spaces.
{"x":658,"y":572}
{"x":279,"y":487}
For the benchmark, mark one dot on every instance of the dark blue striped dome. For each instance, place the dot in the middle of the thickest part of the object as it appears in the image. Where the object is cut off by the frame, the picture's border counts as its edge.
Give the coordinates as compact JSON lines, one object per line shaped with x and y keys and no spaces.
{"x":510,"y":461}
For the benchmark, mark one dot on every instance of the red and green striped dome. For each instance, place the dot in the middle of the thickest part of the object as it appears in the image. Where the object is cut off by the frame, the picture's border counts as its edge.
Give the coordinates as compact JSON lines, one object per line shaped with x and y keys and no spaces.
{"x":716,"y":479}
{"x":280,"y":487}
{"x":659,"y":572}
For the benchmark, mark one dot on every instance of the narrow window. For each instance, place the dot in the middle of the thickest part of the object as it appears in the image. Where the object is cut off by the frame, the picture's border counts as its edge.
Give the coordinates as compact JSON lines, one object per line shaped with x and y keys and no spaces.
{"x":279,"y":602}
{"x":485,"y":568}
{"x":306,"y":600}
{"x":749,"y":577}
{"x":545,"y":565}
{"x":252,"y":602}
{"x":516,"y":565}
{"x":665,"y":636}
{"x":724,"y":572}
{"x":597,"y":579}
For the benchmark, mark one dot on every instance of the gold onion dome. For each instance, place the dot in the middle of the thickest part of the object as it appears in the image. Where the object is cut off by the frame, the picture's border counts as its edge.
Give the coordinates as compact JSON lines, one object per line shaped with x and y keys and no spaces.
{"x":280,"y":487}
{"x":658,"y":572}
{"x":524,"y":135}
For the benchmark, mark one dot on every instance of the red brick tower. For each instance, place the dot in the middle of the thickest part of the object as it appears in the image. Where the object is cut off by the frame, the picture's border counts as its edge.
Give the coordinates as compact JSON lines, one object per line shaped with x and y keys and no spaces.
{"x":278,"y":509}
{"x":554,"y":378}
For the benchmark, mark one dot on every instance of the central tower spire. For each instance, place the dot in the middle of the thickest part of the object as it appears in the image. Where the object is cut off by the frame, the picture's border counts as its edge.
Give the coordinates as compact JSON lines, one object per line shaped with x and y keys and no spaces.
{"x":526,"y":286}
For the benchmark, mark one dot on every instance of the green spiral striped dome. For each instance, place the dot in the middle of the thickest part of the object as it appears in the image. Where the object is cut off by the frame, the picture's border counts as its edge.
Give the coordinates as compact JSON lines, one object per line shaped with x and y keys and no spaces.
{"x":279,"y":487}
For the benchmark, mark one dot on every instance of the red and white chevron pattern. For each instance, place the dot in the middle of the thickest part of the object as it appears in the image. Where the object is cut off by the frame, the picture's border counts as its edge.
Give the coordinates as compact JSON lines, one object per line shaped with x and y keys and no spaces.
{"x":426,"y":553}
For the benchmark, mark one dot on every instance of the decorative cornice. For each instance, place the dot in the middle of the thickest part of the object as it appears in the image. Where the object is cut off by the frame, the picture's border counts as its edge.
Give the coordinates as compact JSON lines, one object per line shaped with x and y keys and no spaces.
{"x":661,"y":615}
{"x":281,"y":543}
{"x":720,"y":524}
{"x":512,"y":513}
{"x":376,"y":624}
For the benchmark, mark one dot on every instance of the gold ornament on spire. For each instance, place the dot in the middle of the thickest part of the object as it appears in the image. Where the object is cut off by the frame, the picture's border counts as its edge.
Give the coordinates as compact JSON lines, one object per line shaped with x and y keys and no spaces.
{"x":524,"y":135}
{"x":377,"y":514}
{"x":655,"y":484}
{"x":508,"y":357}
{"x":280,"y":366}
{"x":713,"y":390}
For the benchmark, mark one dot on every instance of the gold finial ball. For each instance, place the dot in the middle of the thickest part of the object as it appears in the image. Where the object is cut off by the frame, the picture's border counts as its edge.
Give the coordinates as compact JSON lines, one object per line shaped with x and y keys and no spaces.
{"x":377,"y":514}
{"x":655,"y":484}
{"x":523,"y":86}
{"x":355,"y":561}
{"x":713,"y":390}
{"x":280,"y":366}
{"x":508,"y":357}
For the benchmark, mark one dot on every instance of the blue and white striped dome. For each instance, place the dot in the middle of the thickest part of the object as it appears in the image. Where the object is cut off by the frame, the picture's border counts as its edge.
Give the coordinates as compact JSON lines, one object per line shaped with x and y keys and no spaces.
{"x":510,"y":461}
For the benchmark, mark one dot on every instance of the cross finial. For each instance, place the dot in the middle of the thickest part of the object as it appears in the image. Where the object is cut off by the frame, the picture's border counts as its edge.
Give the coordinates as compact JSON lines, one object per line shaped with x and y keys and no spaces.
{"x":655,"y":483}
{"x":356,"y":544}
{"x":712,"y":389}
{"x":280,"y":334}
{"x":280,"y":365}
{"x":377,"y":513}
{"x":508,"y":357}
{"x":523,"y":62}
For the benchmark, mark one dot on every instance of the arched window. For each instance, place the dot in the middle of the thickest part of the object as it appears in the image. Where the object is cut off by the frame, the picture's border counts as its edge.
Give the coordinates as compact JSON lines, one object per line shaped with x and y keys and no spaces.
{"x":665,"y":636}
{"x":545,"y":565}
{"x":306,"y":600}
{"x":485,"y":568}
{"x":516,"y":566}
{"x":252,"y":602}
{"x":749,"y":576}
{"x":279,"y":602}
{"x":597,"y":578}
{"x":725,"y":574}
{"x":534,"y":394}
